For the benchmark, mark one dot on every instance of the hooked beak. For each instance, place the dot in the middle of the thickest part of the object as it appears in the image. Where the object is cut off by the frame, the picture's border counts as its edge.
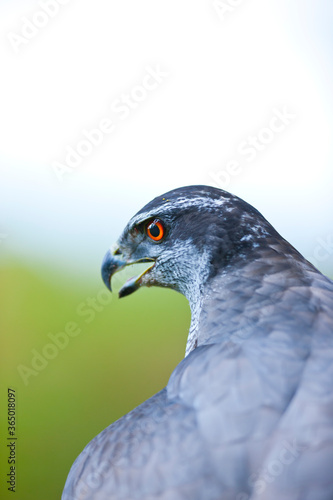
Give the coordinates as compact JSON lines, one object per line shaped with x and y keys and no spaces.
{"x":113,"y":262}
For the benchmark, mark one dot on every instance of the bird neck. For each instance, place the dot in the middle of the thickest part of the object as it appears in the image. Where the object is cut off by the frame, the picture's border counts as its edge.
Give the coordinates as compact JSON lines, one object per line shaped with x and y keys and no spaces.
{"x":240,"y":300}
{"x":192,"y":338}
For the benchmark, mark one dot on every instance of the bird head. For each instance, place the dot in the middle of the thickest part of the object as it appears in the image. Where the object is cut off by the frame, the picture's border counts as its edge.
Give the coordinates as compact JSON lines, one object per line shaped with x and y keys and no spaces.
{"x":187,"y":235}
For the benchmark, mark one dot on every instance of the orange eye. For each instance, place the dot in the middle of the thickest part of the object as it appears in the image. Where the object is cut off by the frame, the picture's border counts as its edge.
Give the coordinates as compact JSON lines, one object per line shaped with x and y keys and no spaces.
{"x":155,"y":230}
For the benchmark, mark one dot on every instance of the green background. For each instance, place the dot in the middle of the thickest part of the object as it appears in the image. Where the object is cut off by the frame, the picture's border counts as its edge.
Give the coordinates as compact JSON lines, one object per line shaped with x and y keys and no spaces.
{"x":124,"y":355}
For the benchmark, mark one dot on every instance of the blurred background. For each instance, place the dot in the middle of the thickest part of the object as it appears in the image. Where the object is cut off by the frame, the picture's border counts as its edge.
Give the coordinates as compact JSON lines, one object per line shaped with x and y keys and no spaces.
{"x":103,"y":106}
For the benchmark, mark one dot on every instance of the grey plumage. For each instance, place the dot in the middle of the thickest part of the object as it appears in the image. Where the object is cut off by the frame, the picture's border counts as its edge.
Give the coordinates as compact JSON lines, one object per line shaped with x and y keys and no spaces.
{"x":248,"y":414}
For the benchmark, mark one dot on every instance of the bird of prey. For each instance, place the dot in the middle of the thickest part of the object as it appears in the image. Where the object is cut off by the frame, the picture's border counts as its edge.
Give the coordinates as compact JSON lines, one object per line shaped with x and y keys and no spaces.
{"x":248,"y":413}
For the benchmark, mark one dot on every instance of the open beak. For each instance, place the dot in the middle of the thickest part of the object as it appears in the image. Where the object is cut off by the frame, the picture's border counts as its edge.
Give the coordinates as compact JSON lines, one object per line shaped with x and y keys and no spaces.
{"x":113,"y":262}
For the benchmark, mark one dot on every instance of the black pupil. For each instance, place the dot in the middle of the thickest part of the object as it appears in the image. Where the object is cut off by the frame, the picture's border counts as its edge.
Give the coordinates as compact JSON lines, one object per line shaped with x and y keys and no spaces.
{"x":154,"y":230}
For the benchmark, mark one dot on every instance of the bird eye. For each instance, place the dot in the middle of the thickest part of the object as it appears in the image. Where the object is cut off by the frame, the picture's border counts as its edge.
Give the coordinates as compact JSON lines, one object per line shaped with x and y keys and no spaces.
{"x":155,"y":230}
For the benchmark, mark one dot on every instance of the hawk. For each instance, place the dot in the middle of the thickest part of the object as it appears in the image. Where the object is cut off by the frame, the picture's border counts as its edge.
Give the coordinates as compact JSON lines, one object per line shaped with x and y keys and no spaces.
{"x":248,"y":413}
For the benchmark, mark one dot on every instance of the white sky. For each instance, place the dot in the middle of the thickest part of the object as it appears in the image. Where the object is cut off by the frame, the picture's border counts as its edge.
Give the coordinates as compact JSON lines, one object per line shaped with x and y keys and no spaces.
{"x":226,"y":76}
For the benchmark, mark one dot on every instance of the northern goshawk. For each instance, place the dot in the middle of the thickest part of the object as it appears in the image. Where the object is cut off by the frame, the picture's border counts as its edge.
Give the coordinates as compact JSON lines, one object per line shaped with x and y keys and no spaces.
{"x":248,"y":413}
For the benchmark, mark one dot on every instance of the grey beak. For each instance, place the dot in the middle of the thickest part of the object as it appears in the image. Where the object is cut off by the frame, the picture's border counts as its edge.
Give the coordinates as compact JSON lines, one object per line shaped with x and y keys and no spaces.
{"x":112,"y":263}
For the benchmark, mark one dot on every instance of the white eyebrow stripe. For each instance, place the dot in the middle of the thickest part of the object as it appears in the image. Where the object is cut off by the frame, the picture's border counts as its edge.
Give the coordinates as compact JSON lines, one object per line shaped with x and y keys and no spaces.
{"x":168,"y":206}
